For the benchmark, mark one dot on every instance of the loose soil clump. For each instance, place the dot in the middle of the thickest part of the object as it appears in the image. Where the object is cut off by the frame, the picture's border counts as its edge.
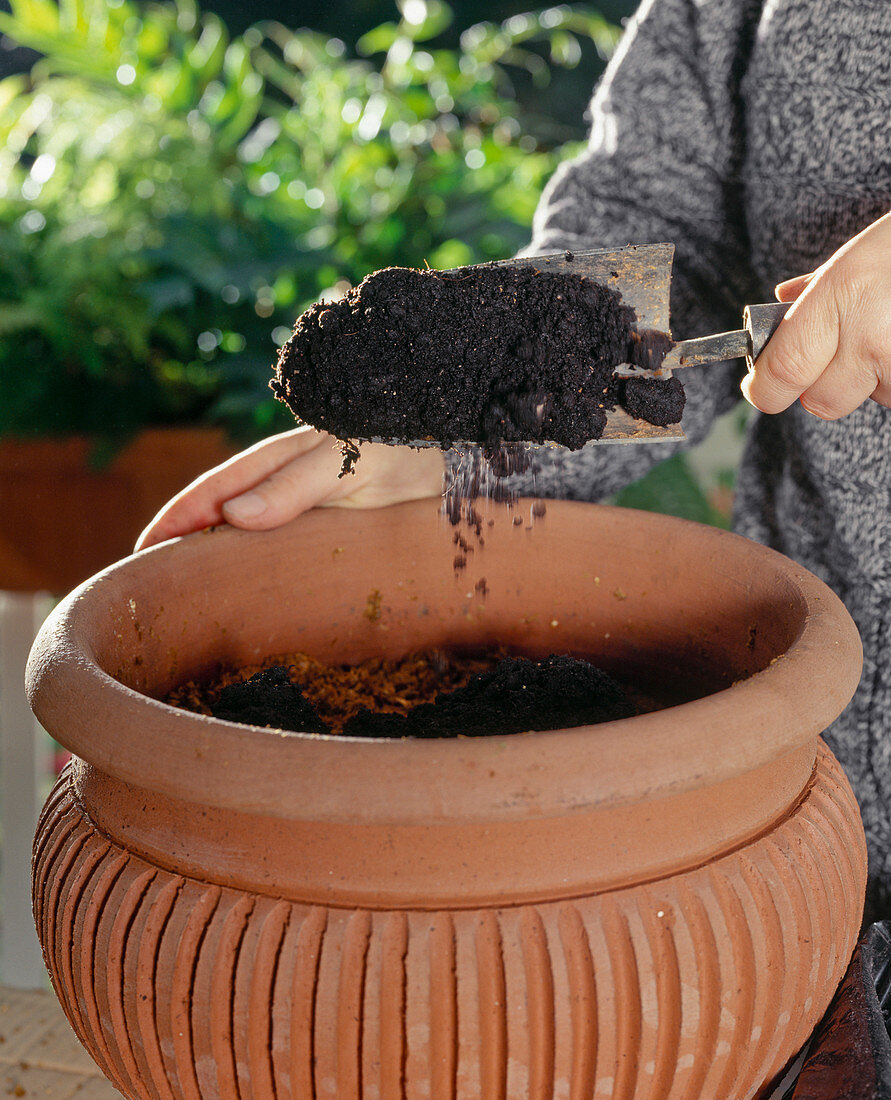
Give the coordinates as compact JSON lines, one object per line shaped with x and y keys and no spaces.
{"x":269,"y":698}
{"x":657,"y":401}
{"x":422,"y":695}
{"x":487,"y":355}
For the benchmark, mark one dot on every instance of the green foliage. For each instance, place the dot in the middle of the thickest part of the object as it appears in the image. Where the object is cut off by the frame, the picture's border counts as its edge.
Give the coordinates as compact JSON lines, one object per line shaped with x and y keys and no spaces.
{"x":171,"y":197}
{"x":673,"y":489}
{"x":698,"y":484}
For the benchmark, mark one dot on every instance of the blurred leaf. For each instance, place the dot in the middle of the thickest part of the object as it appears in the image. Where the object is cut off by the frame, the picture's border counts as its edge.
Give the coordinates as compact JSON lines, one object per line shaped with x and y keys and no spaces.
{"x":41,"y":15}
{"x":152,"y":41}
{"x":451,"y":253}
{"x":16,"y":317}
{"x":10,"y":88}
{"x":565,"y":49}
{"x":436,"y":18}
{"x":207,"y":54}
{"x":378,"y":39}
{"x":671,"y":488}
{"x":167,"y":293}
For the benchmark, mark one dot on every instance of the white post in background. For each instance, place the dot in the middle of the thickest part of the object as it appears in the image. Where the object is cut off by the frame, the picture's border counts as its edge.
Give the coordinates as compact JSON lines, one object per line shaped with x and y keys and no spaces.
{"x":24,"y":749}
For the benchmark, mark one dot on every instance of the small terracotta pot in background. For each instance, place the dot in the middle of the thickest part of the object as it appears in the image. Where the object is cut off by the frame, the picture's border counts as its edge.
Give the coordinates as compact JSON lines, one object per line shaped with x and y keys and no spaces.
{"x":658,"y":907}
{"x":62,"y":520}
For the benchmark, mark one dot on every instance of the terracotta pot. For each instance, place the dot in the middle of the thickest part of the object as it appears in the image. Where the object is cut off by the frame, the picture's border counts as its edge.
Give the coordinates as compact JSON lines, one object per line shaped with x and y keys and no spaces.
{"x":658,"y":907}
{"x":62,"y":520}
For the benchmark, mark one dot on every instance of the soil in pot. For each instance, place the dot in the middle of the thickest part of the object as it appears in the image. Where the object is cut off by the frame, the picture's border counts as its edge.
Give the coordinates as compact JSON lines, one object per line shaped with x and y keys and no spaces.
{"x":422,"y":695}
{"x":488,"y":355}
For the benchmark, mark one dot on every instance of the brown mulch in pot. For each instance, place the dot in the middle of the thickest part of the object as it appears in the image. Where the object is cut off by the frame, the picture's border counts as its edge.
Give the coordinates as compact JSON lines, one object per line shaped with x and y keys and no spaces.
{"x":423,"y":695}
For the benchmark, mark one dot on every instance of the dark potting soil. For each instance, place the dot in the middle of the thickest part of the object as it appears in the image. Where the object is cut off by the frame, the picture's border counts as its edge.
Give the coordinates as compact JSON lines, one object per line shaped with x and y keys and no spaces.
{"x":658,"y":401}
{"x":269,"y":698}
{"x":517,"y":696}
{"x":514,"y":696}
{"x":339,"y":691}
{"x":487,"y":355}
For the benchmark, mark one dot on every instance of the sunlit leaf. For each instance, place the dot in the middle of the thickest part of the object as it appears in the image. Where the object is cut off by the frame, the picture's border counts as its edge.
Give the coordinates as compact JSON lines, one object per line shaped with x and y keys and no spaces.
{"x":565,"y":49}
{"x":207,"y":54}
{"x":451,"y":253}
{"x":152,"y":41}
{"x":378,"y":39}
{"x":436,"y":17}
{"x":41,"y":15}
{"x":11,"y":87}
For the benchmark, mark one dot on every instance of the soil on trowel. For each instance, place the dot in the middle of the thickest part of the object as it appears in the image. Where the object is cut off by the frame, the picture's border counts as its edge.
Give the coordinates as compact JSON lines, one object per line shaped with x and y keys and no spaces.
{"x":660,"y":401}
{"x":422,"y":695}
{"x":487,"y":354}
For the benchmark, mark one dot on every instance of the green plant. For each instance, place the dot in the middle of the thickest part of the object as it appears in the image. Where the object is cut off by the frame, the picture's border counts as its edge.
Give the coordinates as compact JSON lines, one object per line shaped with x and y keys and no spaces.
{"x":172,"y":197}
{"x":700,"y":483}
{"x":673,"y":489}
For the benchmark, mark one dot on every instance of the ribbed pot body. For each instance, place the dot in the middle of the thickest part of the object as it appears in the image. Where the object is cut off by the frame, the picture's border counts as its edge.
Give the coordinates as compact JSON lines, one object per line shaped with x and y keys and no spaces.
{"x":699,"y":984}
{"x":654,"y":908}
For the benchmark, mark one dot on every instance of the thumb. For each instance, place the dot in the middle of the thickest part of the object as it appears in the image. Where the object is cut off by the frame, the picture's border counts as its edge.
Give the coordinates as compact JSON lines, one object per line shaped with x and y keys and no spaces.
{"x":790,"y":289}
{"x":801,"y":348}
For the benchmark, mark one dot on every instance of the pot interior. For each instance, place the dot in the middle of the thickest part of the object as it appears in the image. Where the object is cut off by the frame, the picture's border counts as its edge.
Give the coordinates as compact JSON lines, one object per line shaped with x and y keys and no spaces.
{"x":761,"y":655}
{"x":674,"y":610}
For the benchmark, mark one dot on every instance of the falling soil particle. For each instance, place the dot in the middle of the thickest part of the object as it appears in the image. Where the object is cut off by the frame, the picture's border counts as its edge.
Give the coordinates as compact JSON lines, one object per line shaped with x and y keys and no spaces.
{"x":488,"y":355}
{"x":349,"y":453}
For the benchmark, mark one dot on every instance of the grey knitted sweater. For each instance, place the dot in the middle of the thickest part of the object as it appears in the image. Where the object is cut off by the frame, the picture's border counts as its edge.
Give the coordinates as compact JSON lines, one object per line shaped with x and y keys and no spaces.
{"x":755,"y":135}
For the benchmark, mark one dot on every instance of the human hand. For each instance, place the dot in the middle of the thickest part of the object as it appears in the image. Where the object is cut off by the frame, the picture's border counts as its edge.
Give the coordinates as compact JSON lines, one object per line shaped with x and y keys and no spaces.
{"x":832,"y":350}
{"x":272,"y":482}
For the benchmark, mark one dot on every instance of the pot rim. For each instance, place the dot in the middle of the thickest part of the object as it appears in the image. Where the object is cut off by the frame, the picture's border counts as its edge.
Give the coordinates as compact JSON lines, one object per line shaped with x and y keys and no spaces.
{"x":224,"y":764}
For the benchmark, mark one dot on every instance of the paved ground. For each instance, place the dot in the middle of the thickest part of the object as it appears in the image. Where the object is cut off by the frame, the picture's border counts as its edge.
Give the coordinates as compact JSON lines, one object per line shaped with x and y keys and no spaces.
{"x":39,"y":1055}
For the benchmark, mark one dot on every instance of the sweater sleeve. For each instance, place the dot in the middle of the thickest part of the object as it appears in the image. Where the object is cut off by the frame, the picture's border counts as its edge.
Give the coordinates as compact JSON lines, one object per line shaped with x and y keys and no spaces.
{"x":662,"y":164}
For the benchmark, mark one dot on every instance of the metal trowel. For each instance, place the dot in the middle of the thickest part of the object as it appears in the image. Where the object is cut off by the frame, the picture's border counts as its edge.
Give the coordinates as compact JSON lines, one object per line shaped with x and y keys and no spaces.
{"x":642,"y":275}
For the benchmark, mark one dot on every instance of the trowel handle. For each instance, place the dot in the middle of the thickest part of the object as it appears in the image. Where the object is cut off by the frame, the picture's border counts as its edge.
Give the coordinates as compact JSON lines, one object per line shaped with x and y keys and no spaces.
{"x":761,"y":323}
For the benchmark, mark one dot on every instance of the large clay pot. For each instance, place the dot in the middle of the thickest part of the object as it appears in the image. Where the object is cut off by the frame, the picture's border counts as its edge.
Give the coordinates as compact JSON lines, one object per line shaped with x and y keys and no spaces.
{"x":62,"y":518}
{"x":658,"y":907}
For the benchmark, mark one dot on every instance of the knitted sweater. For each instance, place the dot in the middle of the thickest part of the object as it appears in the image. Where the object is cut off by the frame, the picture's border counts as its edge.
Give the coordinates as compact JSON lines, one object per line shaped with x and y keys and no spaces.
{"x":756,"y":136}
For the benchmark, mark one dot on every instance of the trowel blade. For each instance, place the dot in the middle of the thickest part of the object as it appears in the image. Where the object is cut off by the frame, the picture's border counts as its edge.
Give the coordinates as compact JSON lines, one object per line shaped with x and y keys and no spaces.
{"x":641,"y":273}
